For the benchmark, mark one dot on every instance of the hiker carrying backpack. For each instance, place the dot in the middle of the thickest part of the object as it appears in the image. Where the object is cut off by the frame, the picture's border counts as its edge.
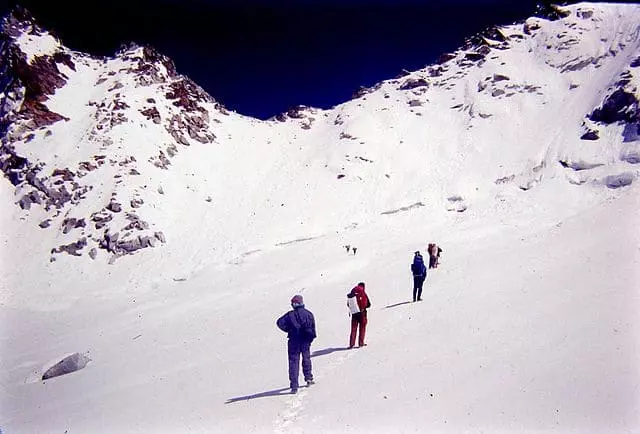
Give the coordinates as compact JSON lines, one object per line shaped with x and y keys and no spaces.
{"x":419,"y":272}
{"x":358,"y":303}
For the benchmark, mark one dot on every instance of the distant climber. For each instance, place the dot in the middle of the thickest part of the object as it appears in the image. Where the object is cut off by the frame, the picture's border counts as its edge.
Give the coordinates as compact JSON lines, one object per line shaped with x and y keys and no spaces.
{"x":419,"y":272}
{"x":434,"y":255}
{"x":300,"y":326}
{"x":358,"y":303}
{"x":354,"y":250}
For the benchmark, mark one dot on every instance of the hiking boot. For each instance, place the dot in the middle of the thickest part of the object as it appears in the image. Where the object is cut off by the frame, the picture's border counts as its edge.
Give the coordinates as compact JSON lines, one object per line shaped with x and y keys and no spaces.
{"x":294,"y":391}
{"x":310,"y":382}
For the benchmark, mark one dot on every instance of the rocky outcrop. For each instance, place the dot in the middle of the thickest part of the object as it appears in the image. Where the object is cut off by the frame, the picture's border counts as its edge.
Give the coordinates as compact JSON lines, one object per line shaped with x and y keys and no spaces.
{"x":28,"y":81}
{"x":33,"y":80}
{"x":590,"y":135}
{"x":620,"y":106}
{"x":151,"y":56}
{"x":152,"y":114}
{"x":413,"y":83}
{"x":362,"y":90}
{"x":72,"y":223}
{"x":41,"y":77}
{"x":550,"y":11}
{"x":73,"y":248}
{"x":194,"y":117}
{"x":120,"y":247}
{"x":444,"y":58}
{"x":489,"y":37}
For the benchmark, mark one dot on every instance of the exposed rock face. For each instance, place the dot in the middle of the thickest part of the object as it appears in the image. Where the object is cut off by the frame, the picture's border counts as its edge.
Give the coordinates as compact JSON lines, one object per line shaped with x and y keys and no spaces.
{"x":444,"y":58}
{"x":362,"y":91}
{"x":152,"y":114}
{"x":30,"y":79}
{"x":489,"y":37}
{"x":73,"y":248}
{"x":620,"y":106}
{"x":550,"y":12}
{"x":413,"y":83}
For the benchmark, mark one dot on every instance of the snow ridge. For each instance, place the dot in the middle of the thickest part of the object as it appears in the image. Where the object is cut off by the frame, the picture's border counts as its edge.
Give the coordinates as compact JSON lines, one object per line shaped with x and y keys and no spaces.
{"x":94,"y":143}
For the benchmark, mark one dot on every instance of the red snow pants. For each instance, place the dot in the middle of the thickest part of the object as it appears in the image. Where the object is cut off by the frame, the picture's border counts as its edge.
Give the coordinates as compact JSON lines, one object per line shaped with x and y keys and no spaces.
{"x":358,"y":320}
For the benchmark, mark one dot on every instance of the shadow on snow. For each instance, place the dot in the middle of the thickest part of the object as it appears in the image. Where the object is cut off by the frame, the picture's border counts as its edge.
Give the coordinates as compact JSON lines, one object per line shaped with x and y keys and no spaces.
{"x":328,"y":351}
{"x":274,"y":392}
{"x":397,"y":304}
{"x":284,"y":390}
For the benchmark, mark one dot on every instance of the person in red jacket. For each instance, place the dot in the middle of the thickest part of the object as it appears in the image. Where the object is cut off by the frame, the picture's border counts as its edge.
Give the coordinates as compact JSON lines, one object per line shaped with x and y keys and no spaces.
{"x":359,"y":319}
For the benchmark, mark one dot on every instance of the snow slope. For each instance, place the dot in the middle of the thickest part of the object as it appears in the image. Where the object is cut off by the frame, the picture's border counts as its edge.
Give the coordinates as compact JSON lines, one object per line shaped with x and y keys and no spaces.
{"x":530,"y":324}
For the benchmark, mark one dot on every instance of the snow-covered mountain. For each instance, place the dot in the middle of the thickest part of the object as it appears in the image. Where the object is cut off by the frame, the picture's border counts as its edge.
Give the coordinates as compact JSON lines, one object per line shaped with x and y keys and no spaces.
{"x":134,"y":199}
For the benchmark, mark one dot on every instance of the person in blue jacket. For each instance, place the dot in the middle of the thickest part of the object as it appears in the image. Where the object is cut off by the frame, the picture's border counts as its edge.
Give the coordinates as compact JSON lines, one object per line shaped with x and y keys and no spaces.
{"x":419,"y":275}
{"x":300,"y":326}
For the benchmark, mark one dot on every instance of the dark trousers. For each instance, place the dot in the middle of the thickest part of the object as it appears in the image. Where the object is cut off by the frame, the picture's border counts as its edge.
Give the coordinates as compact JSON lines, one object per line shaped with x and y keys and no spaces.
{"x":358,"y":320}
{"x":433,"y":262}
{"x":295,"y":348}
{"x":418,"y":281}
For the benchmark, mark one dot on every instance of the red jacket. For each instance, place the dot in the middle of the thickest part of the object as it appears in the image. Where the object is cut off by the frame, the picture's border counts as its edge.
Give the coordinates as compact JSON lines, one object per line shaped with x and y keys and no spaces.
{"x":361,"y":297}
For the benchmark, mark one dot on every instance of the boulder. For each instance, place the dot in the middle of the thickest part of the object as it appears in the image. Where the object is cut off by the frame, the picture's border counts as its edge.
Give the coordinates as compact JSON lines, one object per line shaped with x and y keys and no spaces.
{"x":69,"y":364}
{"x":114,"y":207}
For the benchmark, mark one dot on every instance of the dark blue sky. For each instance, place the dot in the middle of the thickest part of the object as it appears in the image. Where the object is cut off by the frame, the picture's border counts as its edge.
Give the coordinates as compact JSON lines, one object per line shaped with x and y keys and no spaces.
{"x":262,"y":57}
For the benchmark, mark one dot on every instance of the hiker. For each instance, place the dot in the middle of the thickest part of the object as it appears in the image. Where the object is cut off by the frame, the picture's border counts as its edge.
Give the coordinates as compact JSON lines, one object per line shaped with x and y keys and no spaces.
{"x":354,"y":250}
{"x":300,"y":326}
{"x":358,"y":311}
{"x":434,"y":255}
{"x":419,"y":272}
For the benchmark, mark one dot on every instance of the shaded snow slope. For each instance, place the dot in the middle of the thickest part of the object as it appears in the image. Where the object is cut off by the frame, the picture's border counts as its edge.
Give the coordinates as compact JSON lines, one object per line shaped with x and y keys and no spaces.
{"x":146,"y":224}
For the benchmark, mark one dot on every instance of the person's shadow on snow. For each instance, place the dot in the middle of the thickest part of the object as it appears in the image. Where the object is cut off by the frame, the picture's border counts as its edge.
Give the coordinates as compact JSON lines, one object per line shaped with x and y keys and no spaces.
{"x":284,"y":390}
{"x":397,"y":304}
{"x":275,"y":392}
{"x":328,"y":351}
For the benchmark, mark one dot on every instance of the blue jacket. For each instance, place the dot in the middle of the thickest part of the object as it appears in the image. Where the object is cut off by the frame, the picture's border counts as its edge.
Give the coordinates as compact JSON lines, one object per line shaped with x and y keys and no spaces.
{"x":418,"y":268}
{"x":299,"y":324}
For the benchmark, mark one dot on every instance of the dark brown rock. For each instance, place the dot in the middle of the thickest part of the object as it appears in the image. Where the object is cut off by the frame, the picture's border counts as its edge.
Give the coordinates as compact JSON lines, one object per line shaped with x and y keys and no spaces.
{"x":413,"y":83}
{"x":136,"y":203}
{"x":620,"y":106}
{"x":444,"y":58}
{"x":72,"y":223}
{"x":590,"y":135}
{"x":73,"y":248}
{"x":152,"y":114}
{"x":114,"y":207}
{"x":66,"y":174}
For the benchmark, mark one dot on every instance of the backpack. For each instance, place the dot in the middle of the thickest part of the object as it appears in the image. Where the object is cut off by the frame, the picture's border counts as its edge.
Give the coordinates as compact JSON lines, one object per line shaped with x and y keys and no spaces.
{"x":352,"y":303}
{"x":303,"y":332}
{"x":418,"y":268}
